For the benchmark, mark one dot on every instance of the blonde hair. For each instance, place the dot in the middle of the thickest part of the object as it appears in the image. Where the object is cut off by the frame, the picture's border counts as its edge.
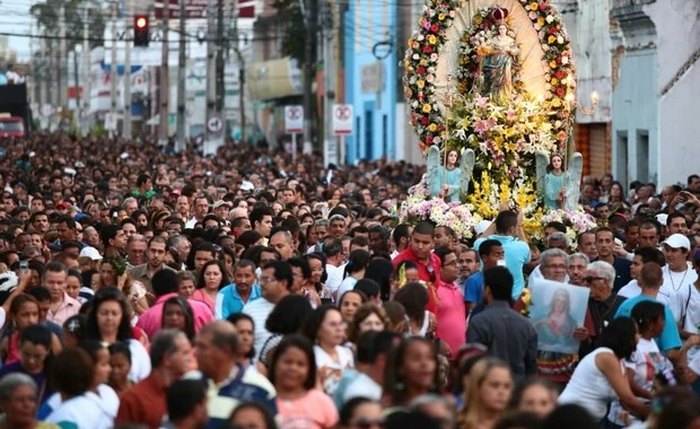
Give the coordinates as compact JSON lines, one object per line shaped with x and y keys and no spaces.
{"x":469,"y":415}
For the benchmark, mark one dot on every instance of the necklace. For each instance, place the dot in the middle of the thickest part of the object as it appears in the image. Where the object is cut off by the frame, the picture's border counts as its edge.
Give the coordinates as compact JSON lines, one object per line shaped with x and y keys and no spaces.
{"x":673,"y":284}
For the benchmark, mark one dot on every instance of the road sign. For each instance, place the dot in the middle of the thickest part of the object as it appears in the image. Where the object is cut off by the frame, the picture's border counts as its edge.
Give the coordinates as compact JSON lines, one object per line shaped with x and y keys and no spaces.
{"x":215,"y":124}
{"x":293,"y":119}
{"x":342,"y":119}
{"x":111,"y":122}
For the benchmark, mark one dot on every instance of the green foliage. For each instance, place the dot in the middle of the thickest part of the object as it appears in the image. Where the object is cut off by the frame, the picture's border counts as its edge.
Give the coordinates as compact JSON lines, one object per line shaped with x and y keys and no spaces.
{"x":48,"y":15}
{"x":294,"y":38}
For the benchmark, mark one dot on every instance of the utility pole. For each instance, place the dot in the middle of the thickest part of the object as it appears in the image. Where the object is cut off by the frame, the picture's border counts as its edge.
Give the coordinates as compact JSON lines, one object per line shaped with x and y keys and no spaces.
{"x":212,"y":137}
{"x":113,"y":66}
{"x":220,"y":90}
{"x":181,"y":141}
{"x":329,"y":79}
{"x":63,"y":60}
{"x":241,"y":71}
{"x":85,"y":108}
{"x":128,"y":41}
{"x":164,"y":88}
{"x":309,"y":13}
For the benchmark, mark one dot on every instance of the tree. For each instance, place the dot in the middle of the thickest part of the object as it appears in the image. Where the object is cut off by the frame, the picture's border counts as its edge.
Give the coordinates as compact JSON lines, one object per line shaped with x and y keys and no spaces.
{"x":48,"y":16}
{"x":294,"y":39}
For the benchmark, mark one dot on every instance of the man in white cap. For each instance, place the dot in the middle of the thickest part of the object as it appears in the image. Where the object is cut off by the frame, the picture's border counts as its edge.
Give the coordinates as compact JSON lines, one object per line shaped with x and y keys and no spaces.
{"x":679,"y":278}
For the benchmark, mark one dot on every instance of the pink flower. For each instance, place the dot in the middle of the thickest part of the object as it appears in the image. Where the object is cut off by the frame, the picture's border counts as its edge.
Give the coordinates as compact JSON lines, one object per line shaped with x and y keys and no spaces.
{"x":480,"y":101}
{"x":482,"y":126}
{"x":511,"y":114}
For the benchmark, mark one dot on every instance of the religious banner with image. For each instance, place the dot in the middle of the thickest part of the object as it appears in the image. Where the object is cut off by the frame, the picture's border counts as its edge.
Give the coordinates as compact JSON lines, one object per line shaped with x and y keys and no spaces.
{"x":557,"y":309}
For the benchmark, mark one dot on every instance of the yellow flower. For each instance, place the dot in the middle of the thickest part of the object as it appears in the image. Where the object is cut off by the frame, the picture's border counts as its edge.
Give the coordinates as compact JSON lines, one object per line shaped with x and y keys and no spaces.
{"x":477,"y":20}
{"x":553,"y":64}
{"x":432,"y":128}
{"x":433,"y":40}
{"x":533,"y":6}
{"x":441,"y":17}
{"x":551,"y":39}
{"x":427,"y":108}
{"x":556,"y":102}
{"x":420,"y":84}
{"x":554,"y":81}
{"x":540,"y":21}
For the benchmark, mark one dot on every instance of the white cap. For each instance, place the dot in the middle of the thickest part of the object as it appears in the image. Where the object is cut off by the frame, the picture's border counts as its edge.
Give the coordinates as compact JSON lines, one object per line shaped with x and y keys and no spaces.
{"x":247,"y":186}
{"x":662,"y":218}
{"x":482,"y":226}
{"x":678,"y":241}
{"x":91,"y":253}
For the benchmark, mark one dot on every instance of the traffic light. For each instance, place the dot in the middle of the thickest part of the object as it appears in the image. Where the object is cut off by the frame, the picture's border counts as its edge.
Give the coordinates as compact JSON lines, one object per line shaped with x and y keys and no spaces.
{"x":141,"y":30}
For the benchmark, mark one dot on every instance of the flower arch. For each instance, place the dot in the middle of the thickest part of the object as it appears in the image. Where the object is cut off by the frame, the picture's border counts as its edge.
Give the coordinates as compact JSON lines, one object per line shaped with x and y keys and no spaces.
{"x":426,"y":63}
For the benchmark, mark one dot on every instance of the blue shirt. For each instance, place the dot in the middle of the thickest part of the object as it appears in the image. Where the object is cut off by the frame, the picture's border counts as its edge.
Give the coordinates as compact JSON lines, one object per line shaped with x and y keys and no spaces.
{"x":517,"y":254}
{"x":229,"y":301}
{"x":474,"y":288}
{"x":670,"y":338}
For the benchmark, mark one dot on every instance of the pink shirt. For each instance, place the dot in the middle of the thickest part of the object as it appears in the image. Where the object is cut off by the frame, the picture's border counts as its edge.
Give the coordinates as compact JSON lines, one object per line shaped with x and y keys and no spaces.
{"x":201,"y":296}
{"x":150,"y":321}
{"x":315,"y":410}
{"x":451,"y":316}
{"x":69,"y":307}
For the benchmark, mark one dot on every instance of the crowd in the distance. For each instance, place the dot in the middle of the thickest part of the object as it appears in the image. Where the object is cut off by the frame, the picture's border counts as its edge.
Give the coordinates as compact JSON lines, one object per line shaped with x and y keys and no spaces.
{"x":145,"y":289}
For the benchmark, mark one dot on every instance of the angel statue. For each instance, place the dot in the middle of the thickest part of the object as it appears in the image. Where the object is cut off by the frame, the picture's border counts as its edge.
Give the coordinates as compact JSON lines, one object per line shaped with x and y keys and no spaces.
{"x":447,"y":181}
{"x":560,"y":188}
{"x":498,"y":56}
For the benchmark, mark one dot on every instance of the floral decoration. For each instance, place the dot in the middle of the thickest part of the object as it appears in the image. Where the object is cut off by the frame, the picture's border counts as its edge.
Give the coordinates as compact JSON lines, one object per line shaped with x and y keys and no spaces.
{"x":423,"y":52}
{"x":576,"y":222}
{"x":420,"y":66}
{"x":419,"y":206}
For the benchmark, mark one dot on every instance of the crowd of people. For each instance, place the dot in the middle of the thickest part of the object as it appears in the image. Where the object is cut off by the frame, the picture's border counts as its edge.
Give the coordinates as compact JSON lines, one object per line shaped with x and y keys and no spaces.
{"x":145,"y":289}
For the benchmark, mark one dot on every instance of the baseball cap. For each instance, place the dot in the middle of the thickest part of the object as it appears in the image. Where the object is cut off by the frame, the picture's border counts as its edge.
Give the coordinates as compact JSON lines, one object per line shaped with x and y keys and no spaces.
{"x":678,"y":241}
{"x":222,"y":203}
{"x":91,"y":253}
{"x":482,"y":226}
{"x":662,"y":218}
{"x":247,"y":186}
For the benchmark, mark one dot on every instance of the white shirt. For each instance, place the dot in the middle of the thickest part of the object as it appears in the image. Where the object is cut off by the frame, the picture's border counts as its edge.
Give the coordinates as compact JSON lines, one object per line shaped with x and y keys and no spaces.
{"x":632,"y":289}
{"x":88,"y":411}
{"x":363,"y":386}
{"x":323,"y":359}
{"x":588,"y":386}
{"x":140,"y":361}
{"x":190,"y":224}
{"x":335,"y":277}
{"x":346,"y":285}
{"x":680,"y":285}
{"x":259,"y":310}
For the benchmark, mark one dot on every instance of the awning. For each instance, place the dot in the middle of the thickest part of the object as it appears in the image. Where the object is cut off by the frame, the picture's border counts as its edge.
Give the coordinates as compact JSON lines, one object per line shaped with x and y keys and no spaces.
{"x":274,"y":79}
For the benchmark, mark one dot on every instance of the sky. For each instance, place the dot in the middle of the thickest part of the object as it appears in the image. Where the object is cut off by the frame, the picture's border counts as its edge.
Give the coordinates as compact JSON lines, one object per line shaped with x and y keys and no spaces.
{"x":15,"y":18}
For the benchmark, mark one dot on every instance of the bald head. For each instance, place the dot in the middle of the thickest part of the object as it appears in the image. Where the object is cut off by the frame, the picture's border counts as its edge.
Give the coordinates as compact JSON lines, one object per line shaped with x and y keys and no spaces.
{"x":222,"y":335}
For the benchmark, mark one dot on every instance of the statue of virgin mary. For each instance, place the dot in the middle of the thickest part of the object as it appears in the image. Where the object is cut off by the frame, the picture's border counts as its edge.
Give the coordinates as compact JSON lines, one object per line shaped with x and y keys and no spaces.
{"x":498,"y":56}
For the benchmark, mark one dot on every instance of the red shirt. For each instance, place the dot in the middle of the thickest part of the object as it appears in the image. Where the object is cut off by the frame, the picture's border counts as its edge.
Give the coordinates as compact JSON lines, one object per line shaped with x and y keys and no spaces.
{"x":430,"y":273}
{"x":143,"y":403}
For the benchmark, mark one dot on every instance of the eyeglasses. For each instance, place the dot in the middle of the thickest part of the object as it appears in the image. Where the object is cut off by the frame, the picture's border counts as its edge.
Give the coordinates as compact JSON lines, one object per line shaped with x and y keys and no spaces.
{"x":591,"y":279}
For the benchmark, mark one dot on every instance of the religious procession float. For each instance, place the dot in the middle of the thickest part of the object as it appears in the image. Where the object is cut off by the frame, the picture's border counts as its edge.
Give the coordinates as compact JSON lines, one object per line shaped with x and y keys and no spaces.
{"x":491,"y":88}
